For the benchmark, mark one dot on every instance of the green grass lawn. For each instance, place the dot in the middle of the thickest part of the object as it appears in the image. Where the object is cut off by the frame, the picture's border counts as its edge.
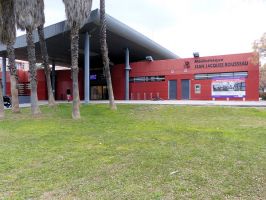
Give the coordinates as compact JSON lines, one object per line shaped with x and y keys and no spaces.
{"x":136,"y":152}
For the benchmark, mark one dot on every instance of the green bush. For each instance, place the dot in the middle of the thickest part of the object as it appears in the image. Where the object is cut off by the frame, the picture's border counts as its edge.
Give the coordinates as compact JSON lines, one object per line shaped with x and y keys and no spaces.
{"x":263,"y":96}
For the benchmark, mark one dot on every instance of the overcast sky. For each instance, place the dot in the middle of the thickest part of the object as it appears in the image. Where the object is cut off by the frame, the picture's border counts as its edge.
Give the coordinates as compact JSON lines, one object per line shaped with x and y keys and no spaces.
{"x":211,"y":27}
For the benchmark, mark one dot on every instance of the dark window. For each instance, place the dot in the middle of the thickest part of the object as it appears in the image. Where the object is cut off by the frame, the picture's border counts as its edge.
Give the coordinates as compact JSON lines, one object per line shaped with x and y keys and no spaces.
{"x":147,"y":79}
{"x":241,"y":74}
{"x":139,"y":79}
{"x":221,"y":75}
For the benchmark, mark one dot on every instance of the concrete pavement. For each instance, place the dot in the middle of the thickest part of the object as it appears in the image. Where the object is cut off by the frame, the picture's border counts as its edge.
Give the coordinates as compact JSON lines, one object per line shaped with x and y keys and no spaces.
{"x":173,"y":102}
{"x":192,"y":103}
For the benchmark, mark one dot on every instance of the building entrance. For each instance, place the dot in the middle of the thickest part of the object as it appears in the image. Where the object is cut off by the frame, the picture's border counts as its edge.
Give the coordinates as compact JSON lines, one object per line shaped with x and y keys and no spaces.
{"x":172,"y":90}
{"x":185,"y":89}
{"x":99,"y":92}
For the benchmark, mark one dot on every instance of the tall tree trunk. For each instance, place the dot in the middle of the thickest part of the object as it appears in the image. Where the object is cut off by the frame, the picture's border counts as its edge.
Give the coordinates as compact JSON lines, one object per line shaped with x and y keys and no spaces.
{"x":105,"y":58}
{"x":75,"y":71}
{"x":35,"y":110}
{"x":51,"y":100}
{"x":13,"y":77}
{"x":2,"y":112}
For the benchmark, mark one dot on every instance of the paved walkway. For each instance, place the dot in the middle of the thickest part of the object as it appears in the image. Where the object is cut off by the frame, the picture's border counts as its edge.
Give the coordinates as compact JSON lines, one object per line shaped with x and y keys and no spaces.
{"x":181,"y":102}
{"x":174,"y":102}
{"x":193,"y":103}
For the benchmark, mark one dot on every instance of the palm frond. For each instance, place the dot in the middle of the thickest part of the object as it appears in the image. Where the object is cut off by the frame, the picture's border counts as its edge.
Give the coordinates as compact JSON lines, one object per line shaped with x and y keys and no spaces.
{"x":28,"y":15}
{"x":77,"y":12}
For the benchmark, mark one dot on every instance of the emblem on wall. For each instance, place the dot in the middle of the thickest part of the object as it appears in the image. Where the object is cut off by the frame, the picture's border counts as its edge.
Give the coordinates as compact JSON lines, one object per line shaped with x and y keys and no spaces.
{"x":186,"y":66}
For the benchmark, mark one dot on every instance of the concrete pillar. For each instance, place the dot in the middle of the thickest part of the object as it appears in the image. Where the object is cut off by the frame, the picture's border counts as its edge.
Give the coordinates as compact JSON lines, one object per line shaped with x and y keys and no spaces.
{"x":4,"y":75}
{"x":127,"y":69}
{"x":53,"y":77}
{"x":87,"y":69}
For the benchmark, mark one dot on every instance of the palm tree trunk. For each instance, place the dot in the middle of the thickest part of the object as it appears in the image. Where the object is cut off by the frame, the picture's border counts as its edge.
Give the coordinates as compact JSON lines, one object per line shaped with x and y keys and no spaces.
{"x":2,"y":112}
{"x":75,"y":71}
{"x":51,"y":100}
{"x":105,"y":57}
{"x":13,"y":77}
{"x":35,"y":110}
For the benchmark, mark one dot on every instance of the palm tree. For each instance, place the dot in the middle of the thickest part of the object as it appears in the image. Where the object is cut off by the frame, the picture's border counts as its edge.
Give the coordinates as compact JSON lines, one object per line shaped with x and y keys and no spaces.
{"x":2,"y":111}
{"x":47,"y":70}
{"x":77,"y":13}
{"x":28,"y":18}
{"x":8,"y":37}
{"x":2,"y":114}
{"x":105,"y":58}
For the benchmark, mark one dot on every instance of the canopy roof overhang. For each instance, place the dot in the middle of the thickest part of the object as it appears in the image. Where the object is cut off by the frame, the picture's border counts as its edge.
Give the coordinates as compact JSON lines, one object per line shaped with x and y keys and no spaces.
{"x":119,"y":37}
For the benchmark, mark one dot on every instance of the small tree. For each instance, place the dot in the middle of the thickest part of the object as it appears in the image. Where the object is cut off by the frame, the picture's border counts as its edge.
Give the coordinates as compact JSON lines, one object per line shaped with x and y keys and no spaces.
{"x":105,"y":58}
{"x":262,"y":83}
{"x":77,"y":12}
{"x":8,"y":37}
{"x":259,"y":47}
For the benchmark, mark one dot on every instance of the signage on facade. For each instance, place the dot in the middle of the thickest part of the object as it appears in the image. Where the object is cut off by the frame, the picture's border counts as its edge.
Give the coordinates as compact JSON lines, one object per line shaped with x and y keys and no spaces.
{"x":214,"y":63}
{"x":93,"y":77}
{"x":229,"y":88}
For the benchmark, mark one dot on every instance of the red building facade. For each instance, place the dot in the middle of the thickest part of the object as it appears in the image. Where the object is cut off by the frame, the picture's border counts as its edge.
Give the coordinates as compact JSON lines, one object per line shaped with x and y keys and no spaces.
{"x":226,"y":77}
{"x":24,"y":84}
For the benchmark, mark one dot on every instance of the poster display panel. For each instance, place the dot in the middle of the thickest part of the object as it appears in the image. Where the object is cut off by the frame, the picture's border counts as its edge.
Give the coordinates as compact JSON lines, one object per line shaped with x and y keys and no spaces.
{"x":229,"y":88}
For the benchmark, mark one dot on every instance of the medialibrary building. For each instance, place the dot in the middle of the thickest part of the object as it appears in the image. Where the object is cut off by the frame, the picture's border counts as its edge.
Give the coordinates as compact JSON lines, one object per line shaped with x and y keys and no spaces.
{"x":140,"y":68}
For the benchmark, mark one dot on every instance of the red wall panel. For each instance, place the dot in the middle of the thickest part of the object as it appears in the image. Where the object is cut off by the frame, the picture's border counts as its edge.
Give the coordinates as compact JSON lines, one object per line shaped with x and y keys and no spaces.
{"x":64,"y":82}
{"x":22,"y":77}
{"x":118,"y":81}
{"x":42,"y":89}
{"x":175,"y":69}
{"x":178,"y":70}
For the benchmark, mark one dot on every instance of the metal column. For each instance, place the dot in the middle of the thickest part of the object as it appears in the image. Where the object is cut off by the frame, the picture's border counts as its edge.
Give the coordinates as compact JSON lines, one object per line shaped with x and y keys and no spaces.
{"x":53,"y":77}
{"x":4,"y":75}
{"x":87,"y":69}
{"x":127,"y":69}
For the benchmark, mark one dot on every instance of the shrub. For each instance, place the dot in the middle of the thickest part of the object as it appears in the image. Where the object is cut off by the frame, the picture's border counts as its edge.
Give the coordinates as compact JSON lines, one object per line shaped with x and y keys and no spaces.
{"x":263,"y":96}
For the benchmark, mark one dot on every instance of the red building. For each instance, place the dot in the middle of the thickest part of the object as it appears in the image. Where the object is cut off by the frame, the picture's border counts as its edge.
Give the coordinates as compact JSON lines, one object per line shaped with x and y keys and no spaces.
{"x":225,"y":77}
{"x":154,"y":71}
{"x":24,"y":85}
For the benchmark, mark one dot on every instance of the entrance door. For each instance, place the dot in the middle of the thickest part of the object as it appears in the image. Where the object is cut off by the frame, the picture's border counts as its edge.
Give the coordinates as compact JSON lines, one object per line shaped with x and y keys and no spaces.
{"x":185,"y":89}
{"x":99,"y":92}
{"x":172,"y":90}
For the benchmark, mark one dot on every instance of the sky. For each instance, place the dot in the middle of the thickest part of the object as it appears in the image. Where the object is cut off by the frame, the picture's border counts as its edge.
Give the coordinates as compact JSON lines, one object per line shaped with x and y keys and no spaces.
{"x":210,"y":27}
